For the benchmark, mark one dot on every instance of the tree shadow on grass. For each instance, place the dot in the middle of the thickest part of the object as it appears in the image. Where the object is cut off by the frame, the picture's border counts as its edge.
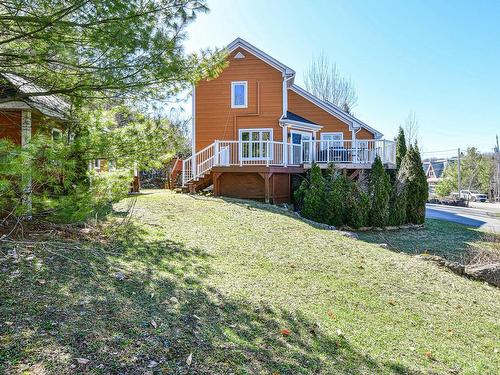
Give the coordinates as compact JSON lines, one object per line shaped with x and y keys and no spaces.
{"x":143,"y":305}
{"x":450,"y":240}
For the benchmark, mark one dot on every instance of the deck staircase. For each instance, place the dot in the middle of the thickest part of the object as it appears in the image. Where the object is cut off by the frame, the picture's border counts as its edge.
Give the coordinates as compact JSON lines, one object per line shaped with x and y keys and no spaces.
{"x":201,"y":183}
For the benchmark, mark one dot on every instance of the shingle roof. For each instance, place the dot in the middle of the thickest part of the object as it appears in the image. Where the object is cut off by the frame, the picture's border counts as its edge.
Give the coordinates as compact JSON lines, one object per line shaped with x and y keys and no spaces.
{"x":51,"y":105}
{"x":293,"y":117}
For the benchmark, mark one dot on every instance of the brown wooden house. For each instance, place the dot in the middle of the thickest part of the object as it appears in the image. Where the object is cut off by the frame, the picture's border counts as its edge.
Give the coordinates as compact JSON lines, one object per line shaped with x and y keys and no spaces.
{"x":22,"y":116}
{"x":253,"y":127}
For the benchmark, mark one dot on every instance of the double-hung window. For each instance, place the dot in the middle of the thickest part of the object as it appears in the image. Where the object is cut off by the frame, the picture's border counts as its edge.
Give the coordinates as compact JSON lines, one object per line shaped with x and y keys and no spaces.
{"x":254,"y":145}
{"x":239,"y":94}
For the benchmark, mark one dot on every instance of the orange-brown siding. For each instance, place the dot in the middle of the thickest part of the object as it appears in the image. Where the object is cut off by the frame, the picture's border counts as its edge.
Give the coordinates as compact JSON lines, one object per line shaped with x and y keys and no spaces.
{"x":10,"y":124}
{"x":304,"y":108}
{"x":215,"y":119}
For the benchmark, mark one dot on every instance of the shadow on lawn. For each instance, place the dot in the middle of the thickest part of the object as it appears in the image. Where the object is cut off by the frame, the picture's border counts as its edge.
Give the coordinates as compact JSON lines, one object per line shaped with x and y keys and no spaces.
{"x":153,"y":319}
{"x":450,"y":240}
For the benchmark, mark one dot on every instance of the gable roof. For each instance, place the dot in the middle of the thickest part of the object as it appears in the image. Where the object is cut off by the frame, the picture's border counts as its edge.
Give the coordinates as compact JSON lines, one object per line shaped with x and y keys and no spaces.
{"x":240,"y":43}
{"x":50,"y":105}
{"x":289,"y":73}
{"x":353,"y":122}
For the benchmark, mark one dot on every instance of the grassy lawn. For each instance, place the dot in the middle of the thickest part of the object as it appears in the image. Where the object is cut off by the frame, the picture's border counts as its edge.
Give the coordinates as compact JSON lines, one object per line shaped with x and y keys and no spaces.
{"x":443,"y":238}
{"x":214,"y":286}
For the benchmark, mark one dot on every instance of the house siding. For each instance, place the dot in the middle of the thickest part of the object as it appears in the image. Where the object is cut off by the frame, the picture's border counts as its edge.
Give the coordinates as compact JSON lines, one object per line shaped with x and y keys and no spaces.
{"x":10,"y":125}
{"x":216,"y":120}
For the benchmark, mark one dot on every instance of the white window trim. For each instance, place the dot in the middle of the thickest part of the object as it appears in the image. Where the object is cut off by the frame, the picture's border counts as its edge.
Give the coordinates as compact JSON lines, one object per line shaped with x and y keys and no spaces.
{"x":332,"y":133}
{"x":234,"y":83}
{"x":293,"y":150}
{"x":98,"y":164}
{"x":55,"y":130}
{"x":260,"y":130}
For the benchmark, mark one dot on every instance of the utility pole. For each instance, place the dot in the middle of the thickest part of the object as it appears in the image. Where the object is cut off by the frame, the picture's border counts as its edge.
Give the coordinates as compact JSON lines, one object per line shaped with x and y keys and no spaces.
{"x":497,"y":179}
{"x":459,"y":177}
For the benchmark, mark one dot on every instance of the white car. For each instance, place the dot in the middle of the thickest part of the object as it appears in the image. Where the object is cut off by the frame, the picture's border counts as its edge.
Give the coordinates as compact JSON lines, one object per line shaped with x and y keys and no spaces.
{"x":474,"y":196}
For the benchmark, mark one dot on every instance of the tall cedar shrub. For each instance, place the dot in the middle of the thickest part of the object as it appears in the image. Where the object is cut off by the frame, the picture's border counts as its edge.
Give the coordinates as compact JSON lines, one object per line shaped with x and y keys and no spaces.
{"x":413,"y":176}
{"x":380,"y":192}
{"x":337,"y":189}
{"x":314,"y":197}
{"x":398,"y":202}
{"x":357,"y":206}
{"x":401,"y":148}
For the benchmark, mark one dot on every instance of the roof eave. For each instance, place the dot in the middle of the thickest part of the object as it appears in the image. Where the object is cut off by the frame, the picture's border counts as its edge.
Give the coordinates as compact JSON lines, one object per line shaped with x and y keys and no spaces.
{"x":301,"y":124}
{"x":241,"y":43}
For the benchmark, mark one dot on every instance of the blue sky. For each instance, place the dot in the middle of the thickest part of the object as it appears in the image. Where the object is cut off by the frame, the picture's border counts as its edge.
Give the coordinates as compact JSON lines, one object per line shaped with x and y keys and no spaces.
{"x":439,"y":59}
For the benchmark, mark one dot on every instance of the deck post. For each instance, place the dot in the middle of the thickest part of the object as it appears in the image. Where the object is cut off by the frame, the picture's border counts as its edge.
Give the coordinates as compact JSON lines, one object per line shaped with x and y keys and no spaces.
{"x":285,"y":145}
{"x":26,"y":178}
{"x":216,"y":153}
{"x":383,"y":151}
{"x":267,"y":153}
{"x":240,"y":152}
{"x":354,"y":147}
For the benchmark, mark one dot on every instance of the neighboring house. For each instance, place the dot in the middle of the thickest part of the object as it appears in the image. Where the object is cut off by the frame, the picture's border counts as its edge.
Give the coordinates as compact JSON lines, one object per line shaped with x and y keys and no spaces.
{"x":21,"y":116}
{"x":253,"y":127}
{"x":434,"y":170}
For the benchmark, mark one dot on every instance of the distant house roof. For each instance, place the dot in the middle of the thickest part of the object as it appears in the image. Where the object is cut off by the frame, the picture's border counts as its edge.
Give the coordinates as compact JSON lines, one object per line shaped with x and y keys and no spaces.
{"x":438,"y":168}
{"x":50,"y":105}
{"x":293,"y":117}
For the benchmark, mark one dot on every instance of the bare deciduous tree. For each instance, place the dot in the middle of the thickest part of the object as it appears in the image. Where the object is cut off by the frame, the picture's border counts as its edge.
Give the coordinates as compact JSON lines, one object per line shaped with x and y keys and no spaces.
{"x":324,"y":80}
{"x":411,"y":129}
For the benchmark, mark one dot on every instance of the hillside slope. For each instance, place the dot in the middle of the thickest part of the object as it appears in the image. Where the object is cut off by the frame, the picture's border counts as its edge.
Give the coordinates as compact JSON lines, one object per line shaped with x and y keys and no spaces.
{"x":201,"y":285}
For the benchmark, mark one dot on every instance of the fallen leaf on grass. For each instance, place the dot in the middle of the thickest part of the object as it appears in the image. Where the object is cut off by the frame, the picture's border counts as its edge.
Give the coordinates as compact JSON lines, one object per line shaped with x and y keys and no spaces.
{"x":41,"y":281}
{"x":154,"y":324}
{"x":152,"y":364}
{"x":82,"y":361}
{"x":285,"y":332}
{"x":429,"y":355}
{"x":189,"y":359}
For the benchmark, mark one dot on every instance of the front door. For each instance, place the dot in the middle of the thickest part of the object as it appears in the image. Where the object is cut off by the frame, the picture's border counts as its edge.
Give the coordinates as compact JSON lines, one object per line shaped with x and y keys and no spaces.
{"x":297,"y":156}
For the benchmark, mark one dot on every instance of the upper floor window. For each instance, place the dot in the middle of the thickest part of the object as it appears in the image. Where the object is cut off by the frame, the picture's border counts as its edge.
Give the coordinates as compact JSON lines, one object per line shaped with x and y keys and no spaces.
{"x":239,"y":94}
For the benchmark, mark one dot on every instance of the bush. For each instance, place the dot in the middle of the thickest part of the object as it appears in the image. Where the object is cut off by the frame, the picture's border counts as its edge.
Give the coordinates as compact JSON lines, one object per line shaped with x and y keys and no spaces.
{"x":379,"y":190}
{"x":398,"y":202}
{"x":314,"y":196}
{"x":413,"y":176}
{"x":336,"y":193}
{"x":357,"y":206}
{"x":58,"y":193}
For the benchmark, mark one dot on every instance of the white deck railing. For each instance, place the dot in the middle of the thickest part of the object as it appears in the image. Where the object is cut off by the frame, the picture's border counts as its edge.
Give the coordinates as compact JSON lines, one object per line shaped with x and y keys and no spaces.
{"x":348,"y":152}
{"x":271,"y":153}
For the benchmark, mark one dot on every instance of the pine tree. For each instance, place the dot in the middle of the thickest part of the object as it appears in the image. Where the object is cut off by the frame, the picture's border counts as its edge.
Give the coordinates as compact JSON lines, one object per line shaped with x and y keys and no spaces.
{"x":400,"y":147}
{"x":417,"y":191}
{"x":379,"y":192}
{"x":314,"y":197}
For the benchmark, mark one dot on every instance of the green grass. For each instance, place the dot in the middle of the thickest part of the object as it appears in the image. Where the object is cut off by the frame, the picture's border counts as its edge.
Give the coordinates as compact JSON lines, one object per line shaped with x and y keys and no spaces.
{"x":258,"y":292}
{"x":449,"y":240}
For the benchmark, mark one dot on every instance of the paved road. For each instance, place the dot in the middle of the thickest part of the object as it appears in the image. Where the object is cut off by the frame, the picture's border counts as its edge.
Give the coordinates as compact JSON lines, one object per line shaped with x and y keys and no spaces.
{"x":473,"y":217}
